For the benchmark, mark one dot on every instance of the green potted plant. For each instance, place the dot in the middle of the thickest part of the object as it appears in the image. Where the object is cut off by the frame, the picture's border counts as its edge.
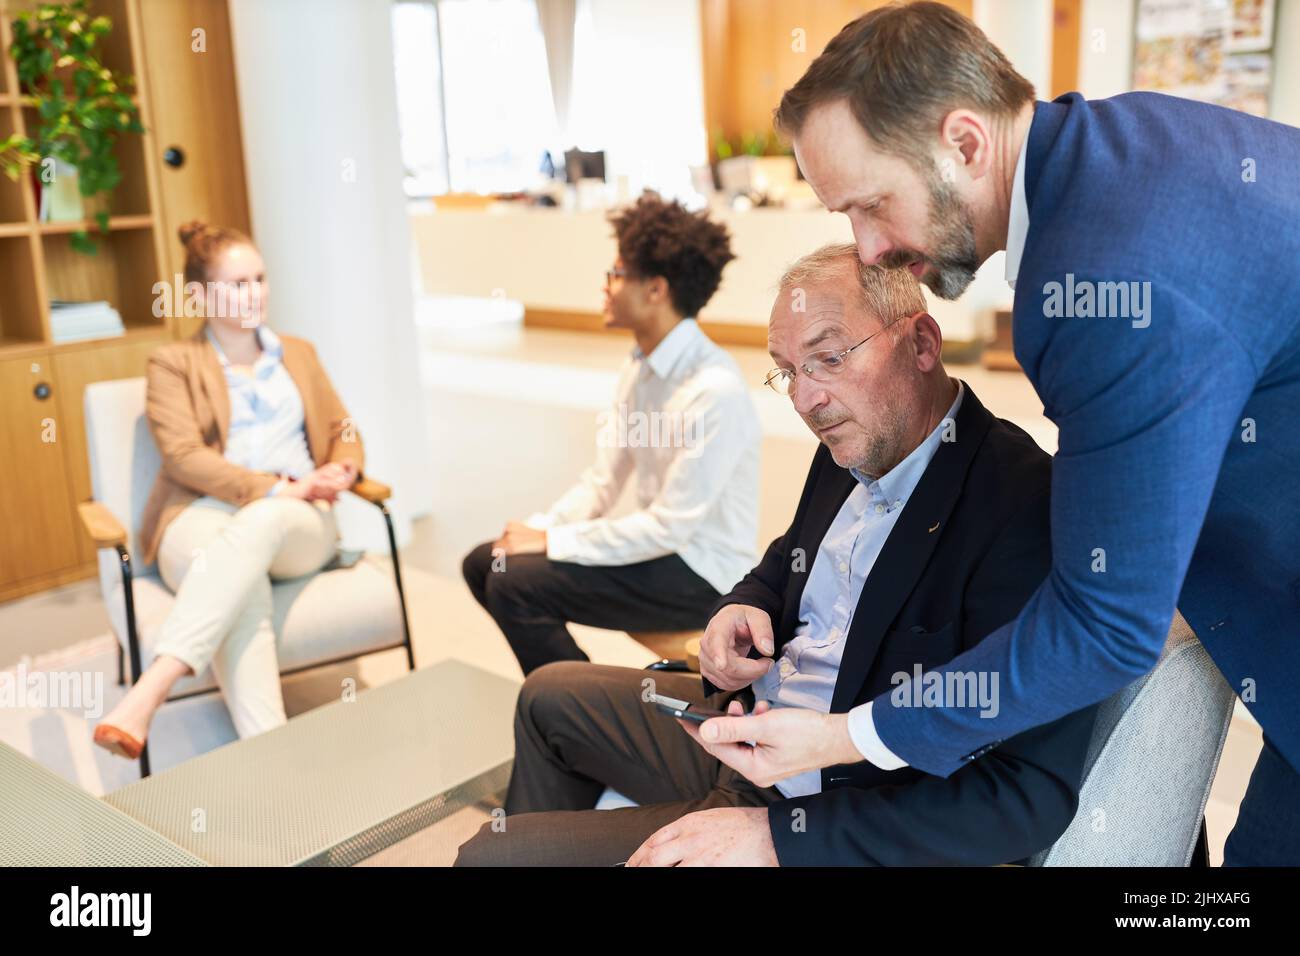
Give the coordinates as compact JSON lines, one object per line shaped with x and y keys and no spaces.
{"x":82,"y":107}
{"x":757,"y":166}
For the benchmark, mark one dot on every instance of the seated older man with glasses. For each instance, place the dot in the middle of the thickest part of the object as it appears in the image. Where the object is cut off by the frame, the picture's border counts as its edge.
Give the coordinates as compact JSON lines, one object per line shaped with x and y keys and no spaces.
{"x":922,"y":527}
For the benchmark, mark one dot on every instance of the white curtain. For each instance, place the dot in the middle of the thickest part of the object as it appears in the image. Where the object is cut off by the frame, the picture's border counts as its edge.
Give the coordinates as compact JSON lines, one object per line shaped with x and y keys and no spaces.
{"x":557,"y":18}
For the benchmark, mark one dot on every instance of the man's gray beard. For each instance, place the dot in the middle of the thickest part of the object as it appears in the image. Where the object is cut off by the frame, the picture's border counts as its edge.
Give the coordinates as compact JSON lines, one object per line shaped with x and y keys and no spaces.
{"x":952,"y":236}
{"x":955,"y":259}
{"x":882,"y":451}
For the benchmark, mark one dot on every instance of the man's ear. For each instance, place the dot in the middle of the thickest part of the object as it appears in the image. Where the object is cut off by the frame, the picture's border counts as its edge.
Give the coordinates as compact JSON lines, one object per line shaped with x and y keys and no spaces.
{"x":657,"y":290}
{"x":964,"y":142}
{"x":928,"y":341}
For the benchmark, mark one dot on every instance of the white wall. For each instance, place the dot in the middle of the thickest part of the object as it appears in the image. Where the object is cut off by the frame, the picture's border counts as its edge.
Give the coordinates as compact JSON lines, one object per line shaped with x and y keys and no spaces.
{"x":1285,"y":107}
{"x":1106,"y":48}
{"x":1022,"y":29}
{"x":319,"y":118}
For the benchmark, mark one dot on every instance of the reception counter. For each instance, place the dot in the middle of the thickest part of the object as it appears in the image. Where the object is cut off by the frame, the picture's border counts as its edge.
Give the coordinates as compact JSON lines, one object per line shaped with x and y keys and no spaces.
{"x":553,"y":261}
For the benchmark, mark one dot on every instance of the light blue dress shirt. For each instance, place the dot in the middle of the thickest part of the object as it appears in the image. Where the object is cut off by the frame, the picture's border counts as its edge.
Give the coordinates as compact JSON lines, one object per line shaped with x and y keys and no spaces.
{"x":266,"y":413}
{"x":805,"y":674}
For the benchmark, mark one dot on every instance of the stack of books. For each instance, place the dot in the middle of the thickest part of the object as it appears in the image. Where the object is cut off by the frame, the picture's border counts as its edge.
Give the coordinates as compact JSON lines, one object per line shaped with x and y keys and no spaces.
{"x":72,"y":321}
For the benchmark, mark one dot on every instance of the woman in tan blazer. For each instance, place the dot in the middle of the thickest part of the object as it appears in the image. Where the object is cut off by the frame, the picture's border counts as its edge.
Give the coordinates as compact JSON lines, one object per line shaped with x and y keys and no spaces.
{"x":255,"y":447}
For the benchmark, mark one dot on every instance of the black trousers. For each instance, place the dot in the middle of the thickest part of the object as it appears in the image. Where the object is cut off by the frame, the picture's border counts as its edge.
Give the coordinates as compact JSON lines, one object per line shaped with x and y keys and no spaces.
{"x":1267,"y":832}
{"x":532,"y":598}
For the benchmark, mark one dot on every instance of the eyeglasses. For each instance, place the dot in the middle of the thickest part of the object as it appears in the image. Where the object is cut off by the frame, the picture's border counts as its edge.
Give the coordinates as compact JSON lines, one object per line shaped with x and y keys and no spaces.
{"x":822,"y":364}
{"x":615,"y":273}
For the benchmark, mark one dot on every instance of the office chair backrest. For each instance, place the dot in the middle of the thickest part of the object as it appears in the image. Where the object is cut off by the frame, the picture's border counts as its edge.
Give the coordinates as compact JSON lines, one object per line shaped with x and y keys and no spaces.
{"x":1153,"y":755}
{"x":123,"y":460}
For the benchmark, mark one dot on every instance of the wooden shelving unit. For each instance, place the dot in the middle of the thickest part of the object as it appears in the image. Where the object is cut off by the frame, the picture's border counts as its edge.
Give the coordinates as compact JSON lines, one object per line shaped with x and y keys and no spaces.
{"x":44,"y":479}
{"x":130,"y":256}
{"x":115,"y":224}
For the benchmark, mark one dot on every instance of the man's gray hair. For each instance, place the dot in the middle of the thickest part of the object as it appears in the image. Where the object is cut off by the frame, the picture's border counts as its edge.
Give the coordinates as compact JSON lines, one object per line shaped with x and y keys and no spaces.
{"x":887,"y":294}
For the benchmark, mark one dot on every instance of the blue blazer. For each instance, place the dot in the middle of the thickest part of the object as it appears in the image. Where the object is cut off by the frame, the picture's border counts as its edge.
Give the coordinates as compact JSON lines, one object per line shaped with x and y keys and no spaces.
{"x":1177,"y":479}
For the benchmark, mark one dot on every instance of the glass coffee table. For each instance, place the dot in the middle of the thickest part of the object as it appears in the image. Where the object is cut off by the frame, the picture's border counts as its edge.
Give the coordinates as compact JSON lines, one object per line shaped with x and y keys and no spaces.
{"x":339,"y":783}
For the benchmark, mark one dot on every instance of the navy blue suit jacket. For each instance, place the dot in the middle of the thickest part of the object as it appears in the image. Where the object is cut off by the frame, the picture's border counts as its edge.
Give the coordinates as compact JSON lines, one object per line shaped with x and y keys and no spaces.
{"x":1177,"y":479}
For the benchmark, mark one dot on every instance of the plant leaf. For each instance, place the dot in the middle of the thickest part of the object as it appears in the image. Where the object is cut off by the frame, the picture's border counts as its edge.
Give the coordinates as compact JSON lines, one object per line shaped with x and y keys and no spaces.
{"x":81,"y":242}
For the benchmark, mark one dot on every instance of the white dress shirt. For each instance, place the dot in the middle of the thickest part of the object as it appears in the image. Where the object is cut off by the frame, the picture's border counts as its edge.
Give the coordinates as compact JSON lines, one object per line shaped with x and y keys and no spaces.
{"x":809,"y":666}
{"x":1018,"y":219}
{"x":684,"y":428}
{"x":861,"y":726}
{"x":266,"y":413}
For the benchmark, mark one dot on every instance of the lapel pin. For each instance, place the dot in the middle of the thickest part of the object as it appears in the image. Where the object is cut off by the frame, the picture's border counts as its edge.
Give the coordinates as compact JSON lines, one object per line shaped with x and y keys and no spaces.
{"x":932,"y":530}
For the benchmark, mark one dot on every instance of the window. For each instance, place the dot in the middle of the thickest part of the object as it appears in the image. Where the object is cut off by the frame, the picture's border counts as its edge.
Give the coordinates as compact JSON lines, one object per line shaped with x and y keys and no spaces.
{"x":475,"y":104}
{"x":419,"y":98}
{"x":474,"y":97}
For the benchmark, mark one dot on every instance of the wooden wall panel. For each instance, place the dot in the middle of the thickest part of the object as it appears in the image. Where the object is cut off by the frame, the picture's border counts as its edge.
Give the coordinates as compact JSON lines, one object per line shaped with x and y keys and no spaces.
{"x":196,"y":108}
{"x":1066,"y":36}
{"x":39,"y":537}
{"x":754,"y":50}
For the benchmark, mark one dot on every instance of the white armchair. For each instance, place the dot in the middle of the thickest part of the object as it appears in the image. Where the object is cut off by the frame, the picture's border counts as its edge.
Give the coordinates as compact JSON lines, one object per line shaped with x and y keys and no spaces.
{"x":334,"y":615}
{"x":1154,"y":752}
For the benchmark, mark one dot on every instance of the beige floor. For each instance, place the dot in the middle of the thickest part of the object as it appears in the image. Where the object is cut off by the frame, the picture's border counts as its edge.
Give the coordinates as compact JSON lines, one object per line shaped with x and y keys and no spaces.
{"x":512,"y":413}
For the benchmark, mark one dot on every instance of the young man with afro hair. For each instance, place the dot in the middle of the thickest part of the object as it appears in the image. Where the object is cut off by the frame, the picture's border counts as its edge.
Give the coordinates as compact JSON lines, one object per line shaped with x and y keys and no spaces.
{"x":681,"y":427}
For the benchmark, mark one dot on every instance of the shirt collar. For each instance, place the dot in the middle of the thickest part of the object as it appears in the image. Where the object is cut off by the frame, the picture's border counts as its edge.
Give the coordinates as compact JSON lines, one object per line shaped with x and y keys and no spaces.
{"x":269,"y":341}
{"x":1018,"y":220}
{"x":671,"y":348}
{"x":897,"y":484}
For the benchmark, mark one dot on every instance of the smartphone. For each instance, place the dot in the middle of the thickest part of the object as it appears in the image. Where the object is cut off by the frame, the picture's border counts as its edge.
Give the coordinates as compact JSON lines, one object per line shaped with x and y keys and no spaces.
{"x":669,"y":664}
{"x":684,"y":709}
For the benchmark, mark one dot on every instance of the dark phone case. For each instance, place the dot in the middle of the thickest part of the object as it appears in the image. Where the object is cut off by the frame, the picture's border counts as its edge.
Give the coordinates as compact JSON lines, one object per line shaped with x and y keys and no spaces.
{"x":691,"y":713}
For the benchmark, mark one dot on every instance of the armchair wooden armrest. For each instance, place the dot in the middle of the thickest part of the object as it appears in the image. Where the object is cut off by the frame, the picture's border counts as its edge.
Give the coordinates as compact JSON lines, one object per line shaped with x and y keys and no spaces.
{"x":101,"y":524}
{"x":376,"y":492}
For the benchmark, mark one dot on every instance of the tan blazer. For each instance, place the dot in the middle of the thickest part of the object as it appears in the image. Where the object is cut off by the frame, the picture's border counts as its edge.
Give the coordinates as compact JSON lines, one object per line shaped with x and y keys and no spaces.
{"x":187,"y":403}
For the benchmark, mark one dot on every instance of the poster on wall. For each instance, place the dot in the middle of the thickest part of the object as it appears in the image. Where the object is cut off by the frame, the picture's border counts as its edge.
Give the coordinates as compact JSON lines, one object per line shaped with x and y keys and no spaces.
{"x":1252,"y":26}
{"x":1211,"y":50}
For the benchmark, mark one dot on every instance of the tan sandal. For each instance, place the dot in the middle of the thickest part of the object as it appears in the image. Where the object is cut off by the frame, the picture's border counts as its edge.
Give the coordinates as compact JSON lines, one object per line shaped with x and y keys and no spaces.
{"x":118,"y":741}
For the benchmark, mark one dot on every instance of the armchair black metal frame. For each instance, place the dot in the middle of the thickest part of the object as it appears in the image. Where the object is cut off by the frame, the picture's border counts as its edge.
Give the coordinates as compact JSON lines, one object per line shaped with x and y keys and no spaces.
{"x":115,"y":537}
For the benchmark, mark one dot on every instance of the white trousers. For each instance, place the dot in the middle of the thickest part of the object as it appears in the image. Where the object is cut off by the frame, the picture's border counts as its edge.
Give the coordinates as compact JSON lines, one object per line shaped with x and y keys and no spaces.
{"x":219,"y":559}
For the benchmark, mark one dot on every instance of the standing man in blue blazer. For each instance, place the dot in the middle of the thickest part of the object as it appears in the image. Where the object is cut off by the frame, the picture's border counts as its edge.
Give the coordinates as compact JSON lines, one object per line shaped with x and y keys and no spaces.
{"x":1154,"y":247}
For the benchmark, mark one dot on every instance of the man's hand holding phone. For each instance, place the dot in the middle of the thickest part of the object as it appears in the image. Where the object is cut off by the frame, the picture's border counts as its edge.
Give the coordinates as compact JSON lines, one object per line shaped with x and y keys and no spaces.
{"x":724,"y":649}
{"x":772,"y":743}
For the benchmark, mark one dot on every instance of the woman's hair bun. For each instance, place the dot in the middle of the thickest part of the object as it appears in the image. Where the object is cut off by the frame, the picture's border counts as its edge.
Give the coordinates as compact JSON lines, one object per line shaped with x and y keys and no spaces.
{"x":204,"y":244}
{"x":190,"y":229}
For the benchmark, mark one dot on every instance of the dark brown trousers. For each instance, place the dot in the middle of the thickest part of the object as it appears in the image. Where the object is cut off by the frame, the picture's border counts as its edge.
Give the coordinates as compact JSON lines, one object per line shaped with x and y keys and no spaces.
{"x":582,"y":727}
